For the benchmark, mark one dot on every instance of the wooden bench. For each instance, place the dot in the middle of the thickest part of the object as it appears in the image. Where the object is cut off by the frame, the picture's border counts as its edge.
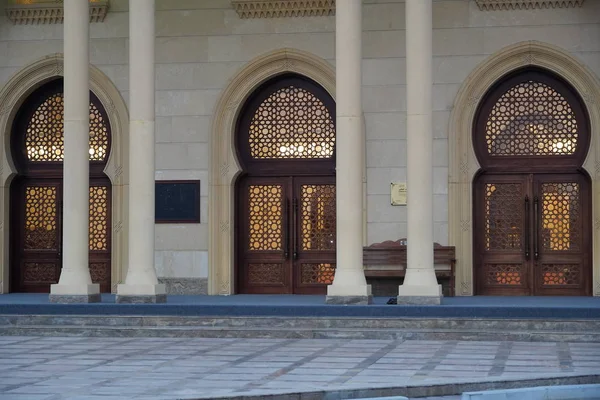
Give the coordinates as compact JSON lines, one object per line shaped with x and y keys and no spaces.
{"x":388,"y":260}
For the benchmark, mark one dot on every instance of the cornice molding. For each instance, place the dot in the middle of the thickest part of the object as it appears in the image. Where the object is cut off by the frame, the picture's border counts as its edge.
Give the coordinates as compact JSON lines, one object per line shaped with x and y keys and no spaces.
{"x":283,"y":8}
{"x":49,"y":12}
{"x":494,"y":5}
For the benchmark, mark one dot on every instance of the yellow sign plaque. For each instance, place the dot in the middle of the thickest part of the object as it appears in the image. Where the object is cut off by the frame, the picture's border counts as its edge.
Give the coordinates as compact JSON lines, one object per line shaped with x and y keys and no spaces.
{"x":398,"y":193}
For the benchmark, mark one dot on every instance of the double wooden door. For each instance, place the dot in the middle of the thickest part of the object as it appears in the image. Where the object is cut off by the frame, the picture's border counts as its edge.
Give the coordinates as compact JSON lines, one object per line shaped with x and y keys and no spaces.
{"x":286,"y":234}
{"x":532,"y":235}
{"x":36,"y":233}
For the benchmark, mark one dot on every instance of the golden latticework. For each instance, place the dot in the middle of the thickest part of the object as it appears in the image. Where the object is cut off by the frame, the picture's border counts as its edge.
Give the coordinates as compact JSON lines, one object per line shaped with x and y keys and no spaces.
{"x":318,"y":217}
{"x":292,"y":123}
{"x":561,"y":274}
{"x":98,"y":218}
{"x":560,"y":216}
{"x":317,"y":273}
{"x":504,"y":274}
{"x":40,"y":218}
{"x":44,"y":137}
{"x":531,"y":119}
{"x":265,"y":217}
{"x":503,"y":216}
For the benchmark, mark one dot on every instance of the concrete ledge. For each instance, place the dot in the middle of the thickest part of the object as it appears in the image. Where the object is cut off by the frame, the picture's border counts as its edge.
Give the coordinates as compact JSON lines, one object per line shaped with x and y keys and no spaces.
{"x":141,"y":299}
{"x":420,"y":300}
{"x":570,"y":392}
{"x":354,"y":300}
{"x":78,"y":298}
{"x":415,"y":390}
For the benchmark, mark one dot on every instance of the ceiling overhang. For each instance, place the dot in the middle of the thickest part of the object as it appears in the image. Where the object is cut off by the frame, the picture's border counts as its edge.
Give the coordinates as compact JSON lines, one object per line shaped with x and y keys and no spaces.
{"x":34,"y":12}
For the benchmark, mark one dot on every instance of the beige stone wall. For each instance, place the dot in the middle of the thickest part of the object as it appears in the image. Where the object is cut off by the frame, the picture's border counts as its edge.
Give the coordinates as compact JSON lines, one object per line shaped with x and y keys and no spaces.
{"x":202,"y":44}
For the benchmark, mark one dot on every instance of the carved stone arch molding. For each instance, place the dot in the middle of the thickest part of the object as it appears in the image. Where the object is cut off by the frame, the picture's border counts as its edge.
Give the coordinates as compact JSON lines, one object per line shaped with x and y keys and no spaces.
{"x":12,"y":95}
{"x":463,"y":163}
{"x":224,"y":166}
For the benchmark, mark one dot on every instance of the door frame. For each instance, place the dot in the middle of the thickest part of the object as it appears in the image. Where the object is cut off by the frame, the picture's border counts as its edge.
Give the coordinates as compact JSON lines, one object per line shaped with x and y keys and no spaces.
{"x":531,"y":181}
{"x":464,"y":167}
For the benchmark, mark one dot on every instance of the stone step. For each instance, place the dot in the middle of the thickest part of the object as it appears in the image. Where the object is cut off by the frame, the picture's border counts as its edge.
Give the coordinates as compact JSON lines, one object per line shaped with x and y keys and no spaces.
{"x":355,"y":328}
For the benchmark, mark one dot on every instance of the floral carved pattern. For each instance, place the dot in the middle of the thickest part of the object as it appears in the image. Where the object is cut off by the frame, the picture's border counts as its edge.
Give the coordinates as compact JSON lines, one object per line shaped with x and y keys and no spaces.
{"x":494,"y":5}
{"x":36,"y":273}
{"x":268,"y":273}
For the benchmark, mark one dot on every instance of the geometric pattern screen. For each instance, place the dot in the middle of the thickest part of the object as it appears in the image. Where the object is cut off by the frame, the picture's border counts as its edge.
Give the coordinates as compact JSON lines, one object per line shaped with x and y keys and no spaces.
{"x":531,"y":119}
{"x":44,"y":138}
{"x":292,"y":123}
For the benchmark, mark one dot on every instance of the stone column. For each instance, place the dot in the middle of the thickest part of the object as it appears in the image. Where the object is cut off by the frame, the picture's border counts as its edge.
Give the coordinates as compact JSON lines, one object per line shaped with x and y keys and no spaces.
{"x":420,"y":284}
{"x":141,"y":284}
{"x":349,"y":285}
{"x":75,"y":283}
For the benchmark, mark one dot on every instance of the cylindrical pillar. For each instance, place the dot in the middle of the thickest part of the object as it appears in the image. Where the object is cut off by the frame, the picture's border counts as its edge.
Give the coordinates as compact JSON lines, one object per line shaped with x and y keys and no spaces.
{"x":420,"y":284}
{"x":349,"y":285}
{"x":75,"y":284}
{"x":141,"y":284}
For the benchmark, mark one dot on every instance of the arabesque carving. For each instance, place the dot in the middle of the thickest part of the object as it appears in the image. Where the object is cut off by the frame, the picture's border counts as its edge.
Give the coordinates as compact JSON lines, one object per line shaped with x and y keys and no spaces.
{"x":495,"y":5}
{"x":283,"y":8}
{"x":49,"y":12}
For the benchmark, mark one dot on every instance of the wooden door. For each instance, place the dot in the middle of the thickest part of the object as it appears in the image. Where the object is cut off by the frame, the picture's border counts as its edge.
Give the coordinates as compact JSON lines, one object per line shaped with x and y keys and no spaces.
{"x":532,"y":235}
{"x":37,"y":239}
{"x":561,"y":262}
{"x":503,"y":251}
{"x":314,"y":228}
{"x":286,"y":237}
{"x":37,"y":220}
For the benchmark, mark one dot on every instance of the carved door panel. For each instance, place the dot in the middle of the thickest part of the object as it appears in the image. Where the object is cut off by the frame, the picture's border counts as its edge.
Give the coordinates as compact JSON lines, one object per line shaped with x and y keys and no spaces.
{"x":264,"y":236}
{"x":286,"y":236}
{"x":37,"y":225}
{"x":38,"y":235}
{"x":562,"y":232}
{"x":532,"y":235}
{"x":314,"y":234}
{"x":502,"y":255}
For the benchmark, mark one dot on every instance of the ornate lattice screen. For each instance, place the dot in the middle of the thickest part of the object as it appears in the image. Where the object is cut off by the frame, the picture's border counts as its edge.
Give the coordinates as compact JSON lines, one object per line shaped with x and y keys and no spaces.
{"x":292,"y":123}
{"x":531,"y":119}
{"x":44,"y":138}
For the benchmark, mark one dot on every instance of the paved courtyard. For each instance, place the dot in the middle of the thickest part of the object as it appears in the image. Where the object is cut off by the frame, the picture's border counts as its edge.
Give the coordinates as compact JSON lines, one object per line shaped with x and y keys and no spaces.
{"x":35,"y":368}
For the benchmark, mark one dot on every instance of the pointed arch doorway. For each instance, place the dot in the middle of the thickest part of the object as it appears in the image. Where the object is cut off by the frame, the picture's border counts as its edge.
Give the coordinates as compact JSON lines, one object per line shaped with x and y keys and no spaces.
{"x":532,"y":200}
{"x":36,"y":210}
{"x":285,"y":197}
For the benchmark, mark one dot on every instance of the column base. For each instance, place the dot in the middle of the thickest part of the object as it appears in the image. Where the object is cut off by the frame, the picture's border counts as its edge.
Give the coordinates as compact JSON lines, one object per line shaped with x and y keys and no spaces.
{"x":140,"y":294}
{"x":424,"y":295}
{"x":61,"y":293}
{"x":419,"y":300}
{"x":74,"y":298}
{"x":349,"y":300}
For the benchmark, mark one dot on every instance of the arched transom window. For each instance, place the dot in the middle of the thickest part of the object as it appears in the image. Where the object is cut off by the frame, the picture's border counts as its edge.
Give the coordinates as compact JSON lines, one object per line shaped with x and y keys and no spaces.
{"x":531,"y":119}
{"x":292,"y":123}
{"x":44,"y":134}
{"x":528,"y":119}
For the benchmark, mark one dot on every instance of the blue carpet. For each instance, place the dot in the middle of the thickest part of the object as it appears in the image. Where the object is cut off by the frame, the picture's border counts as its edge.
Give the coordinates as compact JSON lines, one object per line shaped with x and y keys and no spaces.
{"x":313,"y":306}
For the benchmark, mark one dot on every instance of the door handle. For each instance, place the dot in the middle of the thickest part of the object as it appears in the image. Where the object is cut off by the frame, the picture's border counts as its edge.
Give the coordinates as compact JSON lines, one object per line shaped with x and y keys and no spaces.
{"x":295,"y":229}
{"x":536,"y":228}
{"x":286,"y":230}
{"x":527,"y":230}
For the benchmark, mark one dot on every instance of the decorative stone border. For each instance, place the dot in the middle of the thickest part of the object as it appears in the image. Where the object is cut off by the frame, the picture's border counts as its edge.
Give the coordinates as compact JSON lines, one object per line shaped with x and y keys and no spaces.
{"x":224,"y":166}
{"x":283,"y":8}
{"x":494,"y":5}
{"x":463,"y":165}
{"x":50,"y":12}
{"x":12,"y":96}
